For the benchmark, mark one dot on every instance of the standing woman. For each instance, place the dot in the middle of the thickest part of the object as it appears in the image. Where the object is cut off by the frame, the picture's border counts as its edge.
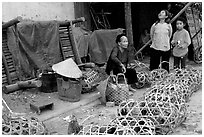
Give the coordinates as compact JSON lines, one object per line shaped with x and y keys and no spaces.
{"x":160,"y":33}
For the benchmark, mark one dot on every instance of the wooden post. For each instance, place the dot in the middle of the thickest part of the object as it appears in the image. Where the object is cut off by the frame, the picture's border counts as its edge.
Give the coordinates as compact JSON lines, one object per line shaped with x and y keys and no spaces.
{"x":22,"y":84}
{"x":74,"y":45}
{"x":128,"y":22}
{"x":18,"y":68}
{"x":172,"y":20}
{"x":11,"y":22}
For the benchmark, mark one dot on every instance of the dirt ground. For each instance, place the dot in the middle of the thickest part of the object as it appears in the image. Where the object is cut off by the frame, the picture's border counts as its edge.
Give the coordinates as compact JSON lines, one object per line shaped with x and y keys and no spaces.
{"x":100,"y":114}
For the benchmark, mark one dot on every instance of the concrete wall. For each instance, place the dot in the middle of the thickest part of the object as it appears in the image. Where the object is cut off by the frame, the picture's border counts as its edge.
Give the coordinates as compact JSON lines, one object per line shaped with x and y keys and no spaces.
{"x":38,"y":11}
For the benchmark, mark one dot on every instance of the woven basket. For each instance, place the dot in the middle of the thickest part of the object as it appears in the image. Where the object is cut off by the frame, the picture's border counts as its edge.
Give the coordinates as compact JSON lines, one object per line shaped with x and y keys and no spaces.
{"x":22,"y":126}
{"x":117,"y":89}
{"x":158,"y":75}
{"x":92,"y":78}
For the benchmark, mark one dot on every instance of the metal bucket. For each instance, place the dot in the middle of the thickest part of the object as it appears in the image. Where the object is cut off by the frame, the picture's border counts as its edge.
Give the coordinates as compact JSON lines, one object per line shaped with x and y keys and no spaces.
{"x":69,"y":90}
{"x":49,"y":83}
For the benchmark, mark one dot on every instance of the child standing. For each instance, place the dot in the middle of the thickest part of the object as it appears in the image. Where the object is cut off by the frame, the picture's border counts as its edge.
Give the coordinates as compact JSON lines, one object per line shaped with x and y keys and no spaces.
{"x":181,"y":40}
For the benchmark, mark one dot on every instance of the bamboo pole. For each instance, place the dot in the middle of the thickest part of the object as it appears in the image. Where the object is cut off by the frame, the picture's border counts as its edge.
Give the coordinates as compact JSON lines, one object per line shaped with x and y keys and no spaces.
{"x":12,"y":22}
{"x":87,"y":65}
{"x":172,"y":20}
{"x":197,"y":33}
{"x":68,"y":22}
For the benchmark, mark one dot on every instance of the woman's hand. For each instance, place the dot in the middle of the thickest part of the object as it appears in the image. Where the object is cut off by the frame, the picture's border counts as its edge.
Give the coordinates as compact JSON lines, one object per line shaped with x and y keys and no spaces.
{"x":123,"y":68}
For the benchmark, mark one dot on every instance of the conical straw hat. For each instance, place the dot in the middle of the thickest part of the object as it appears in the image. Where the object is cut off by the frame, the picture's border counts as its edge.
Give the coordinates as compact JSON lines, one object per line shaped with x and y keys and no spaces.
{"x":67,"y":68}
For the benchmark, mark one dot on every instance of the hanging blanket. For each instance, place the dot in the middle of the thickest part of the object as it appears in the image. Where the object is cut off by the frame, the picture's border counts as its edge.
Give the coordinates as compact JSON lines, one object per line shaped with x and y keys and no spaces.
{"x":101,"y":43}
{"x":38,"y":46}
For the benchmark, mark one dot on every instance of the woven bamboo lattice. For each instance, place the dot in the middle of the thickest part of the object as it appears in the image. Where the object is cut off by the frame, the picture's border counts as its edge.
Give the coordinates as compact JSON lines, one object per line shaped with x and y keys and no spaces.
{"x":92,"y":78}
{"x":157,"y":75}
{"x":129,"y":125}
{"x":163,"y":108}
{"x":172,"y":93}
{"x":122,"y":126}
{"x":189,"y":79}
{"x":137,"y":65}
{"x":94,"y":130}
{"x":117,"y":89}
{"x":169,"y":94}
{"x":22,"y":126}
{"x":143,"y":73}
{"x":163,"y":115}
{"x":143,"y":79}
{"x":165,"y":102}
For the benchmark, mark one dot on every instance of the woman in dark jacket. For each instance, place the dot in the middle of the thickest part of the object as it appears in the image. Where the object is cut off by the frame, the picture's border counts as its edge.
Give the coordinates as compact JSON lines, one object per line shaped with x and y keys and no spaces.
{"x":121,"y":55}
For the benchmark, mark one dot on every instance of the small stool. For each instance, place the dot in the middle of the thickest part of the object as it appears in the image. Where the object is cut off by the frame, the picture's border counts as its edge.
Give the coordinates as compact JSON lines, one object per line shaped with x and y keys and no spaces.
{"x":41,"y":105}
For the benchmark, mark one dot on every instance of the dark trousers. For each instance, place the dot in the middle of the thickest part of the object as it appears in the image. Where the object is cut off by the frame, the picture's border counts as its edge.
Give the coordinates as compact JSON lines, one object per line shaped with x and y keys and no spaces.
{"x":130,"y":74}
{"x":156,"y":56}
{"x":180,"y":62}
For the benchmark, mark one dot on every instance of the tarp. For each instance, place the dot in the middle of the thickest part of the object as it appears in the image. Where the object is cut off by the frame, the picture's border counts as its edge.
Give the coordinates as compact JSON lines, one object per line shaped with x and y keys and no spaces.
{"x":82,"y":37}
{"x":98,"y":43}
{"x":38,"y":46}
{"x":101,"y":43}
